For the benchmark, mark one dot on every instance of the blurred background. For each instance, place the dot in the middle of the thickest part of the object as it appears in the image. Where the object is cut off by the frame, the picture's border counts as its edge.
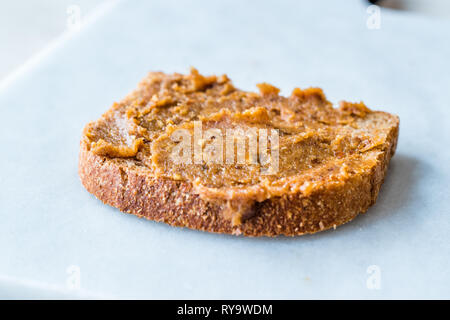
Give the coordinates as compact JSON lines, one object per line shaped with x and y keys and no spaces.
{"x":28,"y":26}
{"x":53,"y":80}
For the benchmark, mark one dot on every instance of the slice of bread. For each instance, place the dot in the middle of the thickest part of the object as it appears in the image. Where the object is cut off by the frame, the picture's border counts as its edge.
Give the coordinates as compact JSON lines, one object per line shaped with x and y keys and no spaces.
{"x":315,"y":166}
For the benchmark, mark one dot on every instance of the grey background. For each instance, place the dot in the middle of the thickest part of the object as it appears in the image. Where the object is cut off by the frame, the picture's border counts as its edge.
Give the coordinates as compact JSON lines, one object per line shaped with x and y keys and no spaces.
{"x":26,"y":27}
{"x":49,"y":222}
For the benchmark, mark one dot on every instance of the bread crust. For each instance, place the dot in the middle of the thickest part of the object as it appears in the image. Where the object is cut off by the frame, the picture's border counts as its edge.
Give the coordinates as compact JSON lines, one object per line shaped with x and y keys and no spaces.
{"x":133,"y":191}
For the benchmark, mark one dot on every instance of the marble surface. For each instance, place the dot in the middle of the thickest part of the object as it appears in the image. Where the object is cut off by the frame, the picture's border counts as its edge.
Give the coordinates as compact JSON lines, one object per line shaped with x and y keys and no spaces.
{"x":58,"y":241}
{"x":27,"y":27}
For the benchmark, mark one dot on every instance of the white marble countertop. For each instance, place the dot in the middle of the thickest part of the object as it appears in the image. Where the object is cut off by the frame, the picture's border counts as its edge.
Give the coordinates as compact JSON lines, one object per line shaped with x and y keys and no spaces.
{"x":56,"y":240}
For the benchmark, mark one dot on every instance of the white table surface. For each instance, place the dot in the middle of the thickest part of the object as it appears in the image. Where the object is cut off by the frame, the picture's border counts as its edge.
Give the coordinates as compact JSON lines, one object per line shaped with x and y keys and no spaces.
{"x":50,"y":224}
{"x":27,"y":27}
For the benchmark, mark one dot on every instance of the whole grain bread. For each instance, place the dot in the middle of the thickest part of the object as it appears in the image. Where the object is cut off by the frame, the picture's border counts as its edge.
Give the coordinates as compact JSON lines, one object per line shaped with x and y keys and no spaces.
{"x":336,"y":167}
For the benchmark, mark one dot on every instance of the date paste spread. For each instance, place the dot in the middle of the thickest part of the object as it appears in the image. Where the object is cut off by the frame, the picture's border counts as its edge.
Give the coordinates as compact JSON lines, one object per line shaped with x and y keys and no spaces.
{"x":237,"y":148}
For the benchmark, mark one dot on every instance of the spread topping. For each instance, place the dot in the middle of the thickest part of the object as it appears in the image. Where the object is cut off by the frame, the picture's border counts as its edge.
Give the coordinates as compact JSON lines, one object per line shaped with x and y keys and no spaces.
{"x":237,"y":148}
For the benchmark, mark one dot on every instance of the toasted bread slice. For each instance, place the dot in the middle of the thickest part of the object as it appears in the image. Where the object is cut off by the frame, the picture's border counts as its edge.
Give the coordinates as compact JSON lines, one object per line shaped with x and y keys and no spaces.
{"x":293,"y":165}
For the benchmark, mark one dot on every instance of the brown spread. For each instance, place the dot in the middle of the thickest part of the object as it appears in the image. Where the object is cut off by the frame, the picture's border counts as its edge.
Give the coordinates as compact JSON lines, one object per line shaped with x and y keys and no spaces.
{"x":316,"y":144}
